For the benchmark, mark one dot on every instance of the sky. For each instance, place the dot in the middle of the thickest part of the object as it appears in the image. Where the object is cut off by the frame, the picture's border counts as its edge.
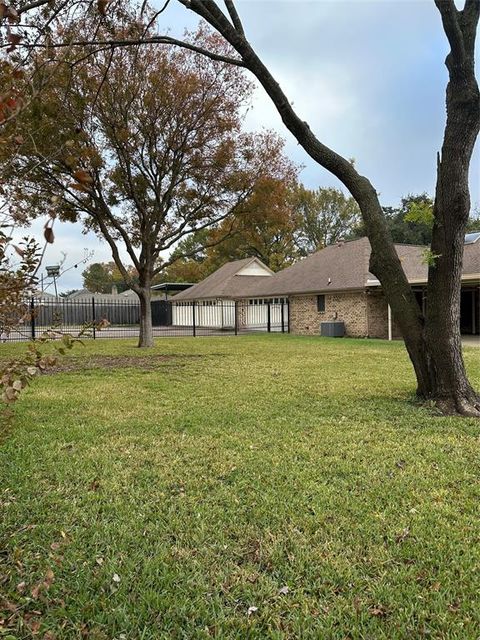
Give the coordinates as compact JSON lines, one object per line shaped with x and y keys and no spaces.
{"x":367,"y":75}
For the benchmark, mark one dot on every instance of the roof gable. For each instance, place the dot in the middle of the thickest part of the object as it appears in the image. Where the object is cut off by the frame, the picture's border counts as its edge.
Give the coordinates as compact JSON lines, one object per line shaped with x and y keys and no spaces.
{"x":254,"y":268}
{"x":232,"y":280}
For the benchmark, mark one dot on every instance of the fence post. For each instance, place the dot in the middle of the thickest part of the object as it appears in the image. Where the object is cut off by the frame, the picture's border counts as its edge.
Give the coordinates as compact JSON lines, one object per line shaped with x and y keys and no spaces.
{"x":236,"y":317}
{"x":193,"y":319}
{"x":269,"y":324}
{"x":93,"y":318}
{"x":32,"y":317}
{"x":283,"y":318}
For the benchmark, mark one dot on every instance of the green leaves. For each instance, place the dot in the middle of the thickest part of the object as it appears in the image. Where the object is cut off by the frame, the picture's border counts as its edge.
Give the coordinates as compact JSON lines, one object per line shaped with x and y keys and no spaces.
{"x":420,"y":212}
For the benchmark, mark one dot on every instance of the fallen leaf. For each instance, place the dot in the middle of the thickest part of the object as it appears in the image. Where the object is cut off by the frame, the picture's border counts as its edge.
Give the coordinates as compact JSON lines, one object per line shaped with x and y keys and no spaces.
{"x":9,"y":606}
{"x":49,"y":578}
{"x":378,"y":611}
{"x":36,"y":590}
{"x":283,"y":591}
{"x":116,"y":578}
{"x":94,"y":485}
{"x":34,"y":626}
{"x":251,"y":610}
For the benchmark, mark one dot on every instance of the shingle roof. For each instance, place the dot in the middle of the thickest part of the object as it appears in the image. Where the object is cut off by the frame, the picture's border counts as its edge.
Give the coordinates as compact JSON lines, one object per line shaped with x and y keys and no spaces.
{"x":345,"y":266}
{"x":471,"y":259}
{"x":339,"y":267}
{"x":225,"y":282}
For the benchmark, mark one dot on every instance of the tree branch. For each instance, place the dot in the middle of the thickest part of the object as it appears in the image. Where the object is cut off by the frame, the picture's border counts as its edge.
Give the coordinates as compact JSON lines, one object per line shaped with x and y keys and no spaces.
{"x":237,"y":23}
{"x":102,"y":44}
{"x":451,"y":25}
{"x":469,"y":22}
{"x":32,"y":5}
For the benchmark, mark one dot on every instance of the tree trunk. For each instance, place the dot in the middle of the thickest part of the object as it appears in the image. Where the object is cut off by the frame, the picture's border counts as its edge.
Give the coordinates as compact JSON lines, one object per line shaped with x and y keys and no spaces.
{"x":145,"y":338}
{"x":449,"y":382}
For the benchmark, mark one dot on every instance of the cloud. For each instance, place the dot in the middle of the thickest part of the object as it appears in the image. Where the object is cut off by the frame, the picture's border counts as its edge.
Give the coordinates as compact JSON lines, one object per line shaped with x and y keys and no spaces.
{"x":368,"y":76}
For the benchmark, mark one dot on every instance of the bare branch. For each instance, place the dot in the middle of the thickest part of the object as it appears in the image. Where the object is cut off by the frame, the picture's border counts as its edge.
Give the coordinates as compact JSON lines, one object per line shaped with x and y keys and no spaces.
{"x":103,"y":44}
{"x":32,"y":5}
{"x":237,"y":23}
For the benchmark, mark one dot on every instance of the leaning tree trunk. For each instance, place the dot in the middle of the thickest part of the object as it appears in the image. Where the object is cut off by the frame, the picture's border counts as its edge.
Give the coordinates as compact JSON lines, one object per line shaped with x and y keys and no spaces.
{"x":145,"y":338}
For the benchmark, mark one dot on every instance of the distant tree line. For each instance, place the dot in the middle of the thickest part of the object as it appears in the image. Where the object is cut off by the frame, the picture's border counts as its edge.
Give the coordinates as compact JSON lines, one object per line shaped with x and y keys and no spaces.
{"x":295,"y":223}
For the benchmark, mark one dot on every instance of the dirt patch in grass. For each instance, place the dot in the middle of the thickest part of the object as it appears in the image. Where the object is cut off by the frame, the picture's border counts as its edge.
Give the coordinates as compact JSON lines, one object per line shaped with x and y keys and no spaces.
{"x":149,"y":363}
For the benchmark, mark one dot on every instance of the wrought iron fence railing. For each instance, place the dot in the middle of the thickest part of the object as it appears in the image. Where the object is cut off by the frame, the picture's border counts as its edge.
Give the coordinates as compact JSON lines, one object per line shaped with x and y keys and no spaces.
{"x":121,"y":319}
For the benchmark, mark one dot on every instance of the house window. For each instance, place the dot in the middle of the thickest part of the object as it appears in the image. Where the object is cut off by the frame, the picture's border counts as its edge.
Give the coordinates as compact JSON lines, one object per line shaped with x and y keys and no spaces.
{"x":321,"y":303}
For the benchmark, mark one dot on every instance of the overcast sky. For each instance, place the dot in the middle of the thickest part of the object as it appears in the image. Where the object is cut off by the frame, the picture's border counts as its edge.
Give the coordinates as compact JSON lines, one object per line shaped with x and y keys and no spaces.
{"x":369,"y":78}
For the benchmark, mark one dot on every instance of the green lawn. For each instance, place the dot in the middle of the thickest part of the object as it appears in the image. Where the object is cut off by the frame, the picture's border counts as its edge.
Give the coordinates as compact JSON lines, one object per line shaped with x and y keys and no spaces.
{"x":269,"y":487}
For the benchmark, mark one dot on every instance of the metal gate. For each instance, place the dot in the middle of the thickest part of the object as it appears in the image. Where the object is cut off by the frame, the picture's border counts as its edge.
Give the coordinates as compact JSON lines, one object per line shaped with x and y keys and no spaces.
{"x":161,"y":313}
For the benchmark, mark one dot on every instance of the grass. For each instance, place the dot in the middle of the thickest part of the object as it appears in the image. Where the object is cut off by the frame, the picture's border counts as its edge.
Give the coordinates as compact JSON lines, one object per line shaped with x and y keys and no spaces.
{"x":271,"y":487}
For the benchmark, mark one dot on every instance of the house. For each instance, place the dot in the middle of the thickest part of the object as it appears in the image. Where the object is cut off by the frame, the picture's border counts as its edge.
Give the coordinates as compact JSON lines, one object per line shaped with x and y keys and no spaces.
{"x":331,"y":284}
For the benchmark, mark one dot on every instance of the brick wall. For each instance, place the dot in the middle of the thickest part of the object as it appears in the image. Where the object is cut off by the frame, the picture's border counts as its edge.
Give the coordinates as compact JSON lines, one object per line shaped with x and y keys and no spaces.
{"x":350,"y":308}
{"x":378,"y":317}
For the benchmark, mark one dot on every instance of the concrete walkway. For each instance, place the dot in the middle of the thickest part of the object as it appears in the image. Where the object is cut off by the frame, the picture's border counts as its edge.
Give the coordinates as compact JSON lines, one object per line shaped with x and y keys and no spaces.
{"x":471,"y":341}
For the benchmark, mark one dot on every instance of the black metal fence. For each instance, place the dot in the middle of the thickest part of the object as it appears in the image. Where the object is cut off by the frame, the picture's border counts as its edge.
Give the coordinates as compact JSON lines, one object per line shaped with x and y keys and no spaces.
{"x":98,"y":318}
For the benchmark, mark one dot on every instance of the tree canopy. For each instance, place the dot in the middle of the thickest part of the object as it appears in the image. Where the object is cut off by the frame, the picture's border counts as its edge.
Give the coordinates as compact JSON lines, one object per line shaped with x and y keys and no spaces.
{"x":147,"y":158}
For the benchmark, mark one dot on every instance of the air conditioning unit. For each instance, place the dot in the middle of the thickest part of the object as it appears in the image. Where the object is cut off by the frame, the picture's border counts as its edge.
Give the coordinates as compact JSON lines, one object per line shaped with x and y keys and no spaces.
{"x":332,"y":329}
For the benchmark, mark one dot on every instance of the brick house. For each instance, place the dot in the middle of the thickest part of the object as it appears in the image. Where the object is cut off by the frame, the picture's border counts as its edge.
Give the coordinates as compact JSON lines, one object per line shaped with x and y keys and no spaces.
{"x":335,"y":284}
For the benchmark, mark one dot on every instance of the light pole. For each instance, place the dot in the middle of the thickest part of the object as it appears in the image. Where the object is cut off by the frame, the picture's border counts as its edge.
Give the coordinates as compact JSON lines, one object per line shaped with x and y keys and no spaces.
{"x":53,"y":271}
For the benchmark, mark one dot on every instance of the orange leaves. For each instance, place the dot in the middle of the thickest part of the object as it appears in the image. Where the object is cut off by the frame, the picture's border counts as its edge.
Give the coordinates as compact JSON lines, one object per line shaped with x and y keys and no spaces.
{"x":9,"y":105}
{"x":83,"y":176}
{"x":82,"y":180}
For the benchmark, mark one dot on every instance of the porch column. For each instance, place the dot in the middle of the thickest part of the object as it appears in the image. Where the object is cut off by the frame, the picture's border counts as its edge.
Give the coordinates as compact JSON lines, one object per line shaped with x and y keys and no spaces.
{"x":474,"y":317}
{"x":389,"y":322}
